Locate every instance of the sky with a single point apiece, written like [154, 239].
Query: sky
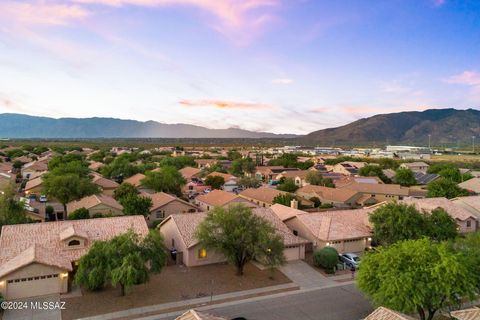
[283, 66]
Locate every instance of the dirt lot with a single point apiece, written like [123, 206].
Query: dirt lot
[173, 284]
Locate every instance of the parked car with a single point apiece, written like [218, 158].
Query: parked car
[350, 259]
[30, 208]
[43, 198]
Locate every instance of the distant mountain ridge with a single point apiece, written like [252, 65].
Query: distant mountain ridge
[445, 126]
[24, 126]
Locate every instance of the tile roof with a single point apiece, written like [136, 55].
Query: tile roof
[91, 201]
[338, 224]
[197, 315]
[429, 204]
[471, 185]
[136, 179]
[36, 166]
[471, 203]
[392, 189]
[334, 194]
[296, 173]
[16, 239]
[217, 198]
[263, 194]
[104, 182]
[33, 183]
[225, 176]
[383, 313]
[284, 213]
[160, 199]
[189, 172]
[466, 314]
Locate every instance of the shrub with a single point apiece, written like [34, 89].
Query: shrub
[327, 258]
[78, 214]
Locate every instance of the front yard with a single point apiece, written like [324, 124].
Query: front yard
[173, 284]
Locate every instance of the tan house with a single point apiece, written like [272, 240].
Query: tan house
[347, 168]
[415, 166]
[220, 198]
[297, 175]
[340, 198]
[344, 230]
[37, 258]
[165, 204]
[107, 186]
[381, 192]
[135, 180]
[471, 204]
[34, 186]
[231, 181]
[97, 204]
[34, 167]
[267, 173]
[205, 163]
[94, 165]
[262, 196]
[178, 231]
[471, 185]
[466, 221]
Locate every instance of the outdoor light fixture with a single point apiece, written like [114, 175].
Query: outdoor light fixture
[64, 275]
[369, 239]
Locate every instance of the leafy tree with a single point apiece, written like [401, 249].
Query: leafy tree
[66, 188]
[14, 153]
[124, 190]
[233, 155]
[178, 162]
[78, 214]
[272, 252]
[17, 164]
[168, 180]
[125, 259]
[284, 199]
[134, 204]
[469, 247]
[239, 235]
[404, 177]
[396, 222]
[416, 276]
[11, 210]
[288, 185]
[316, 202]
[316, 178]
[213, 168]
[242, 166]
[327, 258]
[445, 188]
[121, 166]
[216, 182]
[290, 160]
[452, 174]
[62, 160]
[373, 171]
[249, 182]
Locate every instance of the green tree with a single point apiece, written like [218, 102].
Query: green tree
[288, 185]
[441, 226]
[168, 180]
[249, 182]
[233, 155]
[284, 199]
[445, 188]
[17, 164]
[216, 182]
[416, 276]
[66, 188]
[11, 210]
[239, 235]
[78, 214]
[272, 252]
[120, 167]
[242, 166]
[124, 260]
[327, 258]
[178, 162]
[124, 190]
[469, 247]
[316, 178]
[134, 204]
[373, 171]
[404, 177]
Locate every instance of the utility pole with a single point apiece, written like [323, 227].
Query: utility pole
[429, 138]
[473, 144]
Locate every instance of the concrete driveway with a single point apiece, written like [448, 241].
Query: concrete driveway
[34, 309]
[303, 275]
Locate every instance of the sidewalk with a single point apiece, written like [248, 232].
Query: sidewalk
[172, 306]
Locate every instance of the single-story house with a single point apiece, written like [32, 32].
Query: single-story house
[33, 167]
[178, 231]
[107, 186]
[164, 204]
[471, 204]
[231, 181]
[419, 166]
[190, 173]
[38, 258]
[340, 198]
[466, 221]
[381, 192]
[267, 173]
[347, 168]
[95, 165]
[205, 163]
[220, 198]
[135, 180]
[262, 196]
[344, 230]
[297, 175]
[34, 186]
[471, 185]
[97, 204]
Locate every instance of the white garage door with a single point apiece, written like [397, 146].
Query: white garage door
[32, 287]
[292, 253]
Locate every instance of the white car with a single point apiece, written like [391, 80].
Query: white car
[350, 259]
[43, 198]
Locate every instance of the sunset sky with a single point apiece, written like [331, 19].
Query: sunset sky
[290, 66]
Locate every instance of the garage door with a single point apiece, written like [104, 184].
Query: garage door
[32, 287]
[292, 253]
[355, 246]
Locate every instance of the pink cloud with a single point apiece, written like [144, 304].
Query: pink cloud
[41, 13]
[223, 104]
[470, 78]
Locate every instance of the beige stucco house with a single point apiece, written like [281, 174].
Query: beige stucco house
[38, 258]
[262, 196]
[220, 198]
[340, 198]
[97, 204]
[178, 231]
[381, 192]
[164, 204]
[106, 186]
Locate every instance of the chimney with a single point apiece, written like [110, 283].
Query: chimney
[294, 204]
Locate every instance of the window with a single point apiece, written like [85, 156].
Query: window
[173, 243]
[160, 214]
[295, 232]
[469, 223]
[72, 243]
[202, 253]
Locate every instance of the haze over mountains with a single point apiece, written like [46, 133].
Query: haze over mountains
[445, 126]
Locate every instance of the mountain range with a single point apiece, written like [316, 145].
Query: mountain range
[441, 126]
